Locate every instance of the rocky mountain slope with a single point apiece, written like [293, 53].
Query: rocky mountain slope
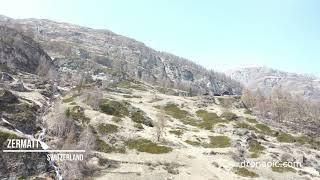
[266, 79]
[114, 104]
[64, 41]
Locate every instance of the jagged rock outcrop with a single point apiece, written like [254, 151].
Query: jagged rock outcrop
[20, 52]
[22, 165]
[266, 79]
[6, 97]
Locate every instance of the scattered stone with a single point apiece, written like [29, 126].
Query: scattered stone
[287, 158]
[5, 77]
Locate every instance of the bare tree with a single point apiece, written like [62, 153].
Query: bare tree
[93, 98]
[57, 122]
[283, 107]
[160, 125]
[248, 98]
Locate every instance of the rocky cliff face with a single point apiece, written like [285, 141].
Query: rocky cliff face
[19, 52]
[25, 73]
[266, 79]
[62, 40]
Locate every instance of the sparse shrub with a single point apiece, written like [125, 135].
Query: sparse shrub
[174, 111]
[138, 126]
[281, 168]
[177, 132]
[131, 96]
[116, 119]
[114, 108]
[107, 128]
[264, 129]
[285, 137]
[131, 85]
[208, 119]
[138, 117]
[144, 145]
[193, 143]
[171, 168]
[245, 126]
[250, 120]
[244, 172]
[303, 139]
[190, 121]
[4, 136]
[229, 116]
[102, 146]
[218, 142]
[255, 148]
[68, 113]
[77, 113]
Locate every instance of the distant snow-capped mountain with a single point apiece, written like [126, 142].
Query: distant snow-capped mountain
[266, 79]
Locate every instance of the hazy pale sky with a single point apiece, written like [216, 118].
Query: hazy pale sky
[282, 34]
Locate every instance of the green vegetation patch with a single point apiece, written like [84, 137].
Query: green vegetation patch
[138, 126]
[116, 119]
[77, 113]
[114, 108]
[282, 168]
[107, 128]
[130, 85]
[245, 126]
[138, 117]
[145, 145]
[265, 129]
[174, 111]
[304, 139]
[285, 137]
[190, 121]
[131, 96]
[218, 142]
[193, 143]
[4, 136]
[255, 148]
[208, 119]
[178, 132]
[244, 172]
[102, 146]
[251, 120]
[229, 116]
